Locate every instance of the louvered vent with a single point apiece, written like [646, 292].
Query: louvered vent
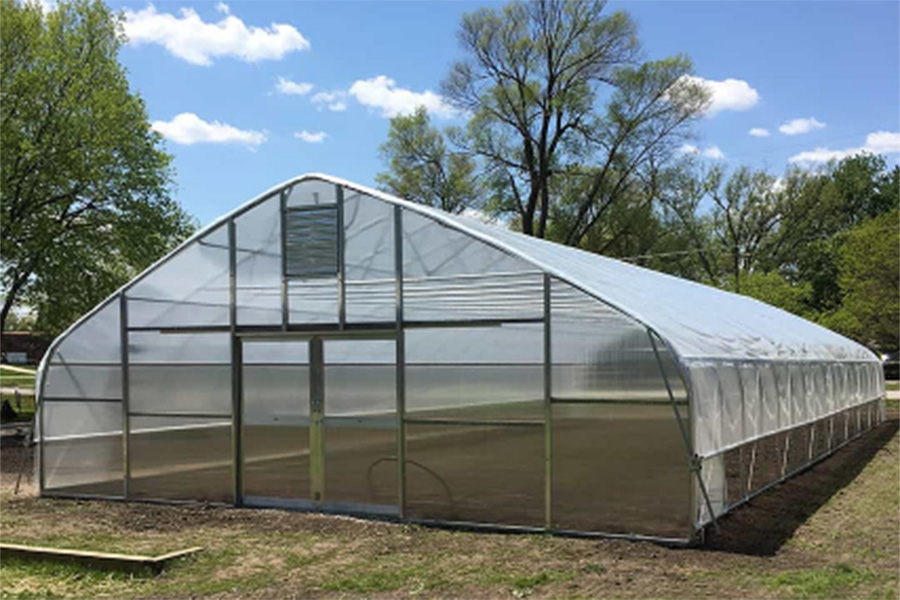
[311, 243]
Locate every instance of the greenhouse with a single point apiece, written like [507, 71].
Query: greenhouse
[329, 347]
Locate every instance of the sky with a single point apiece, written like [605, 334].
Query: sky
[249, 94]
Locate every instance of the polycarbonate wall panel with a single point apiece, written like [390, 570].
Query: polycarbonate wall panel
[258, 253]
[190, 289]
[478, 473]
[83, 381]
[174, 458]
[369, 261]
[203, 389]
[152, 347]
[448, 275]
[481, 373]
[313, 301]
[620, 468]
[312, 192]
[94, 340]
[82, 447]
[598, 353]
[619, 458]
[180, 373]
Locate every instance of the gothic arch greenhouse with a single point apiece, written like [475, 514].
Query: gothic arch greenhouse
[330, 347]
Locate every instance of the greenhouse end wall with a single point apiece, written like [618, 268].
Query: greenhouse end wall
[326, 347]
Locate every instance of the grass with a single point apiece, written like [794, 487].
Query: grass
[847, 549]
[11, 377]
[833, 581]
[892, 385]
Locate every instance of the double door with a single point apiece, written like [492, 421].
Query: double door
[320, 424]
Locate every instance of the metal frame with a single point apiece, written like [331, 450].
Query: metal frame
[316, 420]
[237, 368]
[400, 360]
[694, 465]
[548, 405]
[126, 393]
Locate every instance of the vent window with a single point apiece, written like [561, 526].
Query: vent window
[311, 242]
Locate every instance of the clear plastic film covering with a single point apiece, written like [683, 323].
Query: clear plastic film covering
[756, 422]
[619, 459]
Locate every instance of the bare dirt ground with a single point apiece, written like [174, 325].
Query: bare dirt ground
[831, 532]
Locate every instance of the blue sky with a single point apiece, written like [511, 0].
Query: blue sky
[821, 78]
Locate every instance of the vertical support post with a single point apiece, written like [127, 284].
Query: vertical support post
[693, 460]
[317, 411]
[285, 306]
[548, 407]
[237, 365]
[41, 424]
[742, 477]
[126, 417]
[400, 360]
[787, 449]
[341, 280]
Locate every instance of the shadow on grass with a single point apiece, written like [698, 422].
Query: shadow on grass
[761, 526]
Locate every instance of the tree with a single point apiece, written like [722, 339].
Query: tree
[870, 281]
[532, 82]
[421, 169]
[84, 183]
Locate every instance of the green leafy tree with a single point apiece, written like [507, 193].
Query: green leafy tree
[422, 169]
[870, 281]
[85, 182]
[564, 118]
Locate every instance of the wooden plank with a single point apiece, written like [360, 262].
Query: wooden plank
[101, 560]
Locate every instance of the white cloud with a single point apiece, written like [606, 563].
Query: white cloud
[712, 152]
[331, 100]
[381, 92]
[223, 8]
[312, 138]
[728, 94]
[759, 132]
[799, 126]
[190, 38]
[188, 128]
[883, 142]
[879, 142]
[294, 88]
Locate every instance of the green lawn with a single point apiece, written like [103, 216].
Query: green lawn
[892, 385]
[12, 377]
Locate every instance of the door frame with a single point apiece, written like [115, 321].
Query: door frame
[317, 500]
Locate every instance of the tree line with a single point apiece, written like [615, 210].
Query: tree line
[571, 136]
[568, 133]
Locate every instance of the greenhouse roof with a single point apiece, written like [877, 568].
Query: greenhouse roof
[698, 321]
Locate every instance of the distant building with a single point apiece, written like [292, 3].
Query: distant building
[22, 347]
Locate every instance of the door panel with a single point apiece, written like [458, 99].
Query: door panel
[360, 425]
[276, 419]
